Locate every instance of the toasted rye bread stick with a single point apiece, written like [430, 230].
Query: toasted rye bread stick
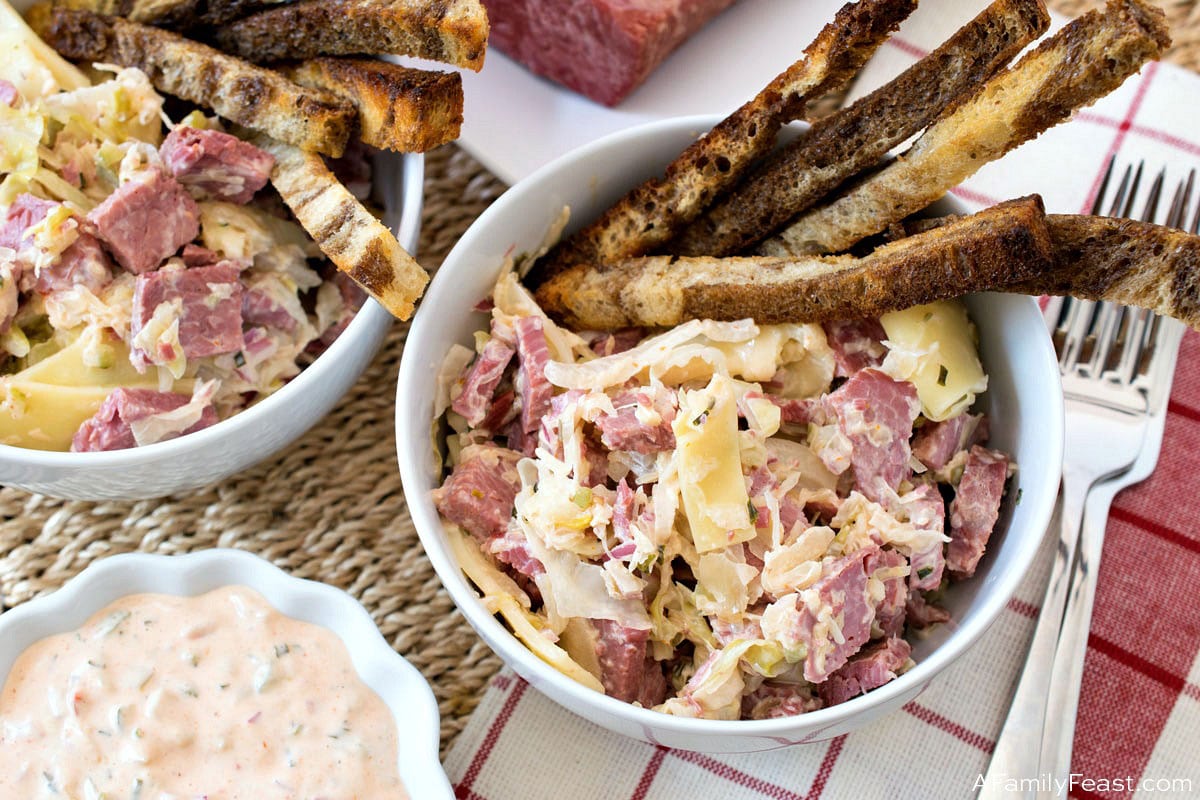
[174, 14]
[399, 108]
[353, 239]
[655, 211]
[850, 140]
[450, 31]
[1122, 261]
[1088, 58]
[258, 98]
[993, 248]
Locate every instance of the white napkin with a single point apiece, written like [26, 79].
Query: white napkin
[518, 744]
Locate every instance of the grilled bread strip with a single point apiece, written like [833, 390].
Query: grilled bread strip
[258, 98]
[1122, 261]
[655, 211]
[451, 31]
[399, 108]
[1088, 58]
[992, 248]
[353, 239]
[176, 14]
[844, 143]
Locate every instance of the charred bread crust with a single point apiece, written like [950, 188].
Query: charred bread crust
[399, 108]
[311, 119]
[1088, 58]
[992, 248]
[1122, 261]
[451, 31]
[353, 239]
[848, 141]
[654, 212]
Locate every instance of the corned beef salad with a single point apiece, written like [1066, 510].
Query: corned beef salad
[147, 287]
[723, 520]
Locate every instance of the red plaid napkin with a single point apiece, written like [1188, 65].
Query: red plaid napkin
[1138, 732]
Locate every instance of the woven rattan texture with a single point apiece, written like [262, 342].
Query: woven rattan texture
[331, 507]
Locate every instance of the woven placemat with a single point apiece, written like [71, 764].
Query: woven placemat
[331, 506]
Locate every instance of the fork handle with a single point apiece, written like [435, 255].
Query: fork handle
[1066, 675]
[1016, 754]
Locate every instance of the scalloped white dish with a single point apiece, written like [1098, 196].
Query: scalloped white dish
[398, 683]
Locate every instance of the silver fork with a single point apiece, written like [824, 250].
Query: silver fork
[1106, 353]
[1155, 383]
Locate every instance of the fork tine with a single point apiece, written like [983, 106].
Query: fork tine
[1186, 199]
[1177, 215]
[1126, 356]
[1075, 317]
[1103, 340]
[1118, 200]
[1127, 211]
[1156, 190]
[1158, 344]
[1195, 229]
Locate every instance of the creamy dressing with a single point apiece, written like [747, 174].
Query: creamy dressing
[175, 698]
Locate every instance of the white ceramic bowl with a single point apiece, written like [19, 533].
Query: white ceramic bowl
[380, 667]
[1024, 401]
[215, 453]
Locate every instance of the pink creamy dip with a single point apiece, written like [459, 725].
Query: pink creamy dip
[216, 696]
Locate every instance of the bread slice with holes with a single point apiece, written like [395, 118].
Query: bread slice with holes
[995, 247]
[654, 212]
[1085, 60]
[354, 240]
[262, 99]
[451, 31]
[856, 137]
[399, 108]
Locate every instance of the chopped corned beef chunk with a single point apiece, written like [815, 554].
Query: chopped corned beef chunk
[889, 613]
[83, 262]
[796, 410]
[209, 300]
[532, 387]
[618, 341]
[626, 430]
[26, 211]
[772, 700]
[146, 220]
[621, 653]
[868, 670]
[919, 613]
[196, 256]
[481, 380]
[260, 308]
[216, 165]
[109, 428]
[478, 496]
[975, 508]
[836, 614]
[936, 443]
[856, 344]
[512, 548]
[876, 414]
